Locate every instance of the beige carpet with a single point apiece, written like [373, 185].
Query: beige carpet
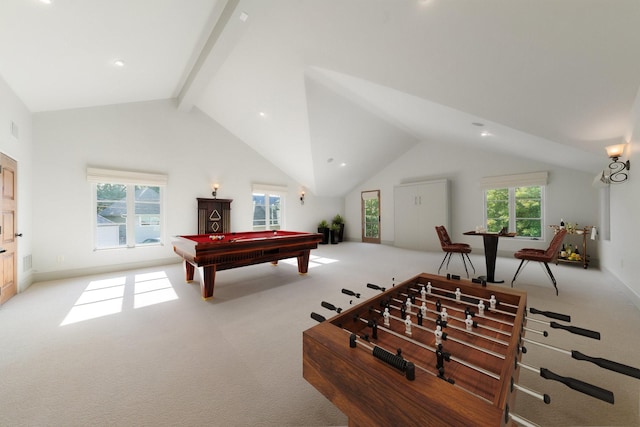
[141, 348]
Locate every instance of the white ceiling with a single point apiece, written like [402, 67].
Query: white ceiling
[356, 81]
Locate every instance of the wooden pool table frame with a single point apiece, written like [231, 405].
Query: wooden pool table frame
[239, 250]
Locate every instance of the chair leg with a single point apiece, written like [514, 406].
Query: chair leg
[464, 263]
[443, 260]
[470, 263]
[553, 279]
[518, 271]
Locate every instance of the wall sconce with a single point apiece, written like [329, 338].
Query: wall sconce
[618, 171]
[215, 187]
[302, 198]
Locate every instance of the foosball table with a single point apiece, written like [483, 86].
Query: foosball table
[435, 351]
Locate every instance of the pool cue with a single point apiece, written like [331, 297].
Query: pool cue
[449, 337]
[367, 345]
[419, 344]
[603, 363]
[581, 386]
[573, 329]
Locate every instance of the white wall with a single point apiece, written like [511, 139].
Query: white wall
[13, 110]
[569, 193]
[192, 149]
[621, 253]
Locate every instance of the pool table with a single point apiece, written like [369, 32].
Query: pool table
[221, 251]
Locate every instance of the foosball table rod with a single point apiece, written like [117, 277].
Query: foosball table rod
[603, 363]
[449, 337]
[522, 421]
[489, 328]
[425, 346]
[367, 345]
[577, 385]
[573, 329]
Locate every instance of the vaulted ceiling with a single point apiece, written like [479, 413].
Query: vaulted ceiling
[330, 91]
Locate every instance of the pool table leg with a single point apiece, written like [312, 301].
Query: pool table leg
[207, 279]
[303, 262]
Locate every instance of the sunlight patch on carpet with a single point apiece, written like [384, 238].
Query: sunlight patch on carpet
[153, 288]
[100, 298]
[106, 297]
[314, 261]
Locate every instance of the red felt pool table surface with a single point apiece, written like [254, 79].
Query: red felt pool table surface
[212, 252]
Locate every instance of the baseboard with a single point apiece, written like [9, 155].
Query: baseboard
[633, 297]
[65, 274]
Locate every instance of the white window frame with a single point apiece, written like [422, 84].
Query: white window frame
[270, 190]
[130, 179]
[511, 182]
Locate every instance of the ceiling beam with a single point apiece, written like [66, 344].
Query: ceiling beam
[213, 53]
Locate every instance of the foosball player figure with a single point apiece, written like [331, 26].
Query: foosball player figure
[403, 310]
[386, 316]
[419, 315]
[438, 334]
[423, 293]
[444, 315]
[469, 322]
[423, 309]
[429, 288]
[493, 302]
[374, 330]
[458, 294]
[408, 305]
[441, 356]
[407, 325]
[468, 312]
[481, 308]
[438, 306]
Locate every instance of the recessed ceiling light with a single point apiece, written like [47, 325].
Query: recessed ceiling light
[262, 114]
[244, 16]
[343, 164]
[46, 1]
[118, 63]
[485, 133]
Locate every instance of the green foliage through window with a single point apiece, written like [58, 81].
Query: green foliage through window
[518, 209]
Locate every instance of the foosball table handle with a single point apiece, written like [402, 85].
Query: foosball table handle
[581, 386]
[607, 364]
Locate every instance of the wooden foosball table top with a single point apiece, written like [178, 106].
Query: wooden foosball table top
[475, 385]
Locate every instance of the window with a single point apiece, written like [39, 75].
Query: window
[127, 207]
[519, 208]
[268, 207]
[516, 208]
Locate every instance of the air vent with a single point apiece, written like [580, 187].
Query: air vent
[14, 130]
[27, 263]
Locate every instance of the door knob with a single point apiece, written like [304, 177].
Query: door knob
[18, 234]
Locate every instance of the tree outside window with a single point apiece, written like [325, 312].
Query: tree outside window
[516, 208]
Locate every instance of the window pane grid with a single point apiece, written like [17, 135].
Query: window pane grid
[115, 228]
[517, 208]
